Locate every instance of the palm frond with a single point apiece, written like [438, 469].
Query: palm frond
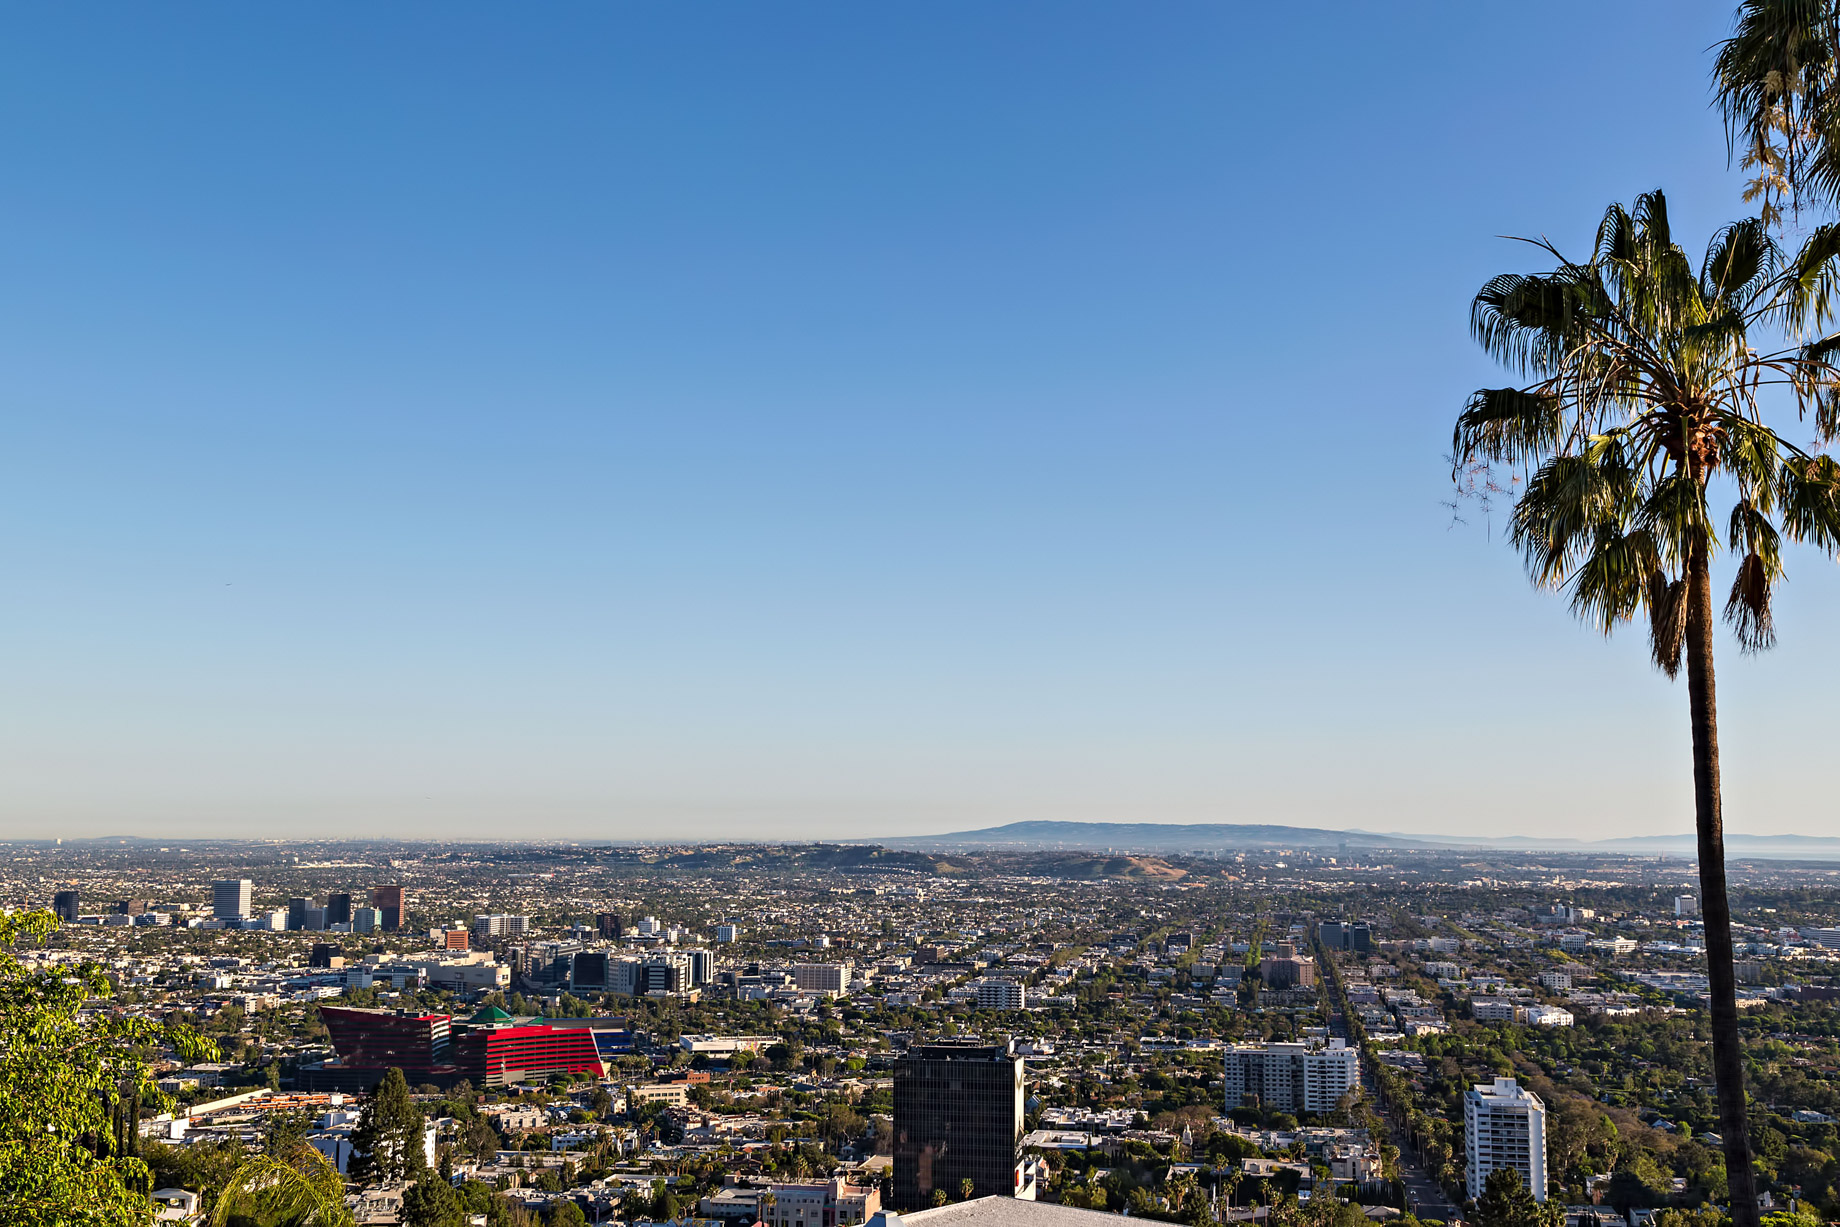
[304, 1189]
[1508, 425]
[1675, 513]
[1530, 322]
[1752, 453]
[1609, 584]
[1808, 499]
[1812, 278]
[1748, 607]
[1667, 620]
[1739, 258]
[1568, 503]
[1772, 80]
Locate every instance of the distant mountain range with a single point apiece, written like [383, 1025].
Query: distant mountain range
[1212, 837]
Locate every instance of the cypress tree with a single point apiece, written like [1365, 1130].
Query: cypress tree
[387, 1143]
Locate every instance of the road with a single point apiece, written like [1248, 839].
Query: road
[1424, 1196]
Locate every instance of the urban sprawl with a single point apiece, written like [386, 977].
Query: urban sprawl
[826, 1035]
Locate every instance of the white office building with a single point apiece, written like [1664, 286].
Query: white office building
[1294, 1077]
[1504, 1125]
[500, 926]
[728, 933]
[231, 900]
[831, 978]
[1686, 905]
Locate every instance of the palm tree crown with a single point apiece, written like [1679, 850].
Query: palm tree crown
[1647, 397]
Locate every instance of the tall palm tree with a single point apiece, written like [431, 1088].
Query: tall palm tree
[1645, 404]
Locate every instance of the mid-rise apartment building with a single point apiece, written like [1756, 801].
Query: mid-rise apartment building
[498, 925]
[1000, 995]
[1285, 968]
[1295, 1077]
[830, 1203]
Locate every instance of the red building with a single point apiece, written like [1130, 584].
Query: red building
[497, 1049]
[374, 1040]
[489, 1049]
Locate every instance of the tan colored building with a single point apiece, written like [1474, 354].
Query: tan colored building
[676, 1094]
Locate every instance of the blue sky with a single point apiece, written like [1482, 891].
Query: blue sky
[701, 421]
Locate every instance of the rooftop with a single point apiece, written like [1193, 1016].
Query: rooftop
[1005, 1212]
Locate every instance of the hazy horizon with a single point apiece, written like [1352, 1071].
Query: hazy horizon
[818, 423]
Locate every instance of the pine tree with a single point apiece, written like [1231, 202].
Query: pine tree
[432, 1202]
[1505, 1202]
[387, 1144]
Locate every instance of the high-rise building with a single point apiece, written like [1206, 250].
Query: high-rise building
[231, 900]
[831, 978]
[326, 954]
[297, 913]
[1291, 1077]
[65, 904]
[366, 920]
[957, 1116]
[1504, 1125]
[130, 907]
[1686, 905]
[453, 939]
[728, 933]
[338, 909]
[389, 901]
[1339, 936]
[610, 926]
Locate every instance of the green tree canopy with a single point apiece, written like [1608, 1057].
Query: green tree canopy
[67, 1086]
[1507, 1202]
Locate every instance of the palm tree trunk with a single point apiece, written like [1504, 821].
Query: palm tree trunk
[1715, 907]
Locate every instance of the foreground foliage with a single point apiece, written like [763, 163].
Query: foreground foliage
[69, 1086]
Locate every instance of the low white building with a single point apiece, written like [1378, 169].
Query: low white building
[725, 1045]
[1546, 1016]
